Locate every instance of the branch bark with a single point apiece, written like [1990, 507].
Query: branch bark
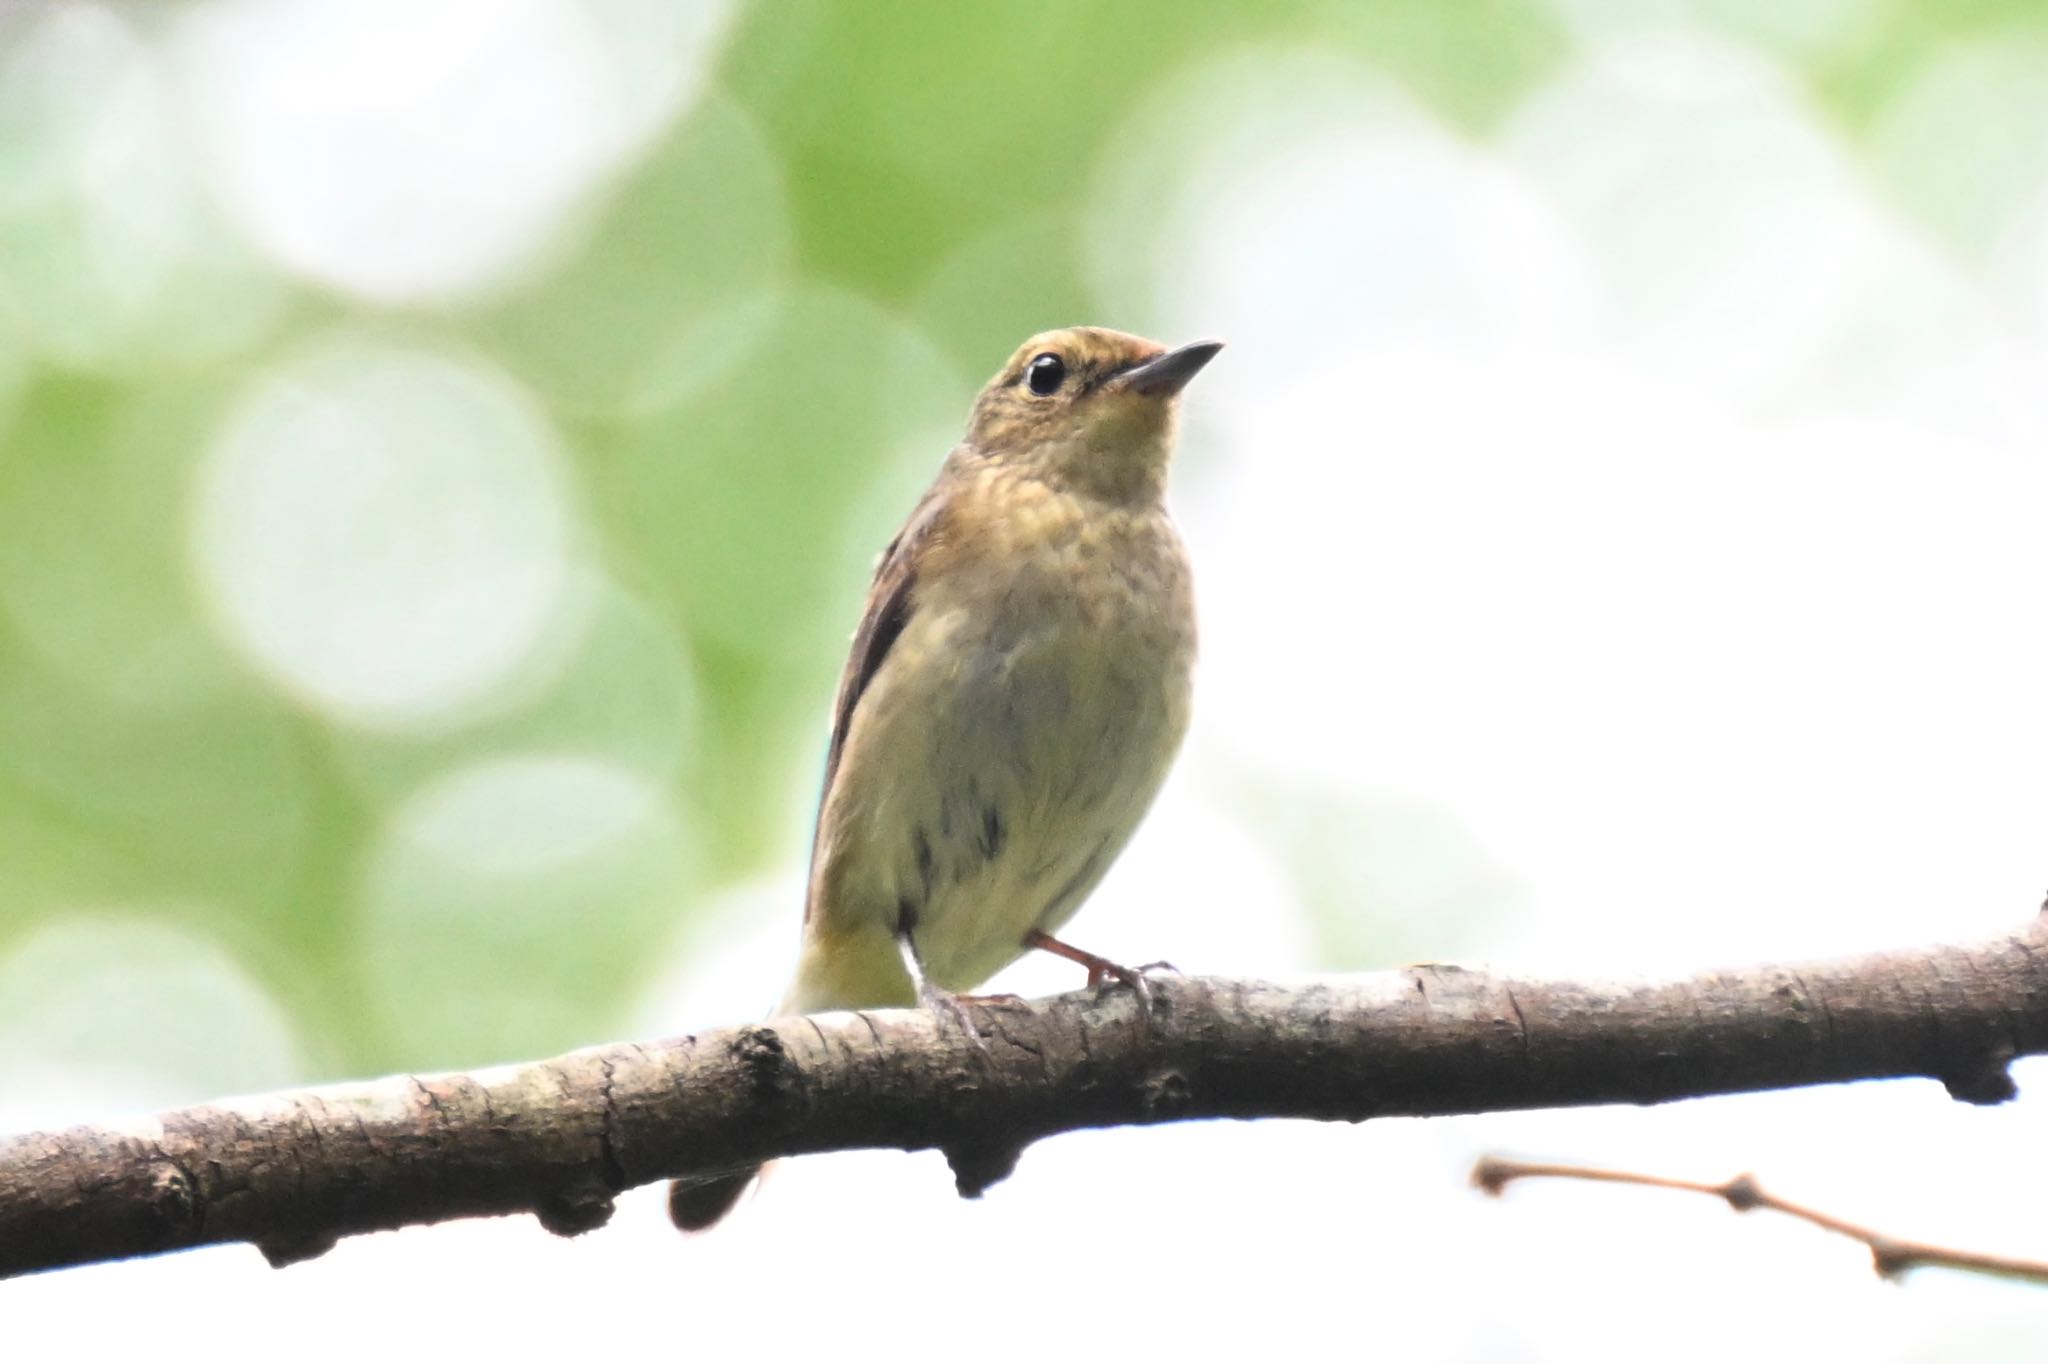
[294, 1172]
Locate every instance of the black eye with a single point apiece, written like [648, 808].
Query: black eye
[1045, 374]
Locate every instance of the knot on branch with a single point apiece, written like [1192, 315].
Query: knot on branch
[1166, 1095]
[1491, 1175]
[574, 1209]
[174, 1200]
[979, 1163]
[760, 1052]
[1983, 1079]
[295, 1246]
[1891, 1260]
[1993, 1085]
[1743, 1193]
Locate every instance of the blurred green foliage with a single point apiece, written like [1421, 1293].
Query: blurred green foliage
[753, 345]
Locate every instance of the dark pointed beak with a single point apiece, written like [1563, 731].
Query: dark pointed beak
[1168, 374]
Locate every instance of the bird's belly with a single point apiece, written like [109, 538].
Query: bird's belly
[1040, 759]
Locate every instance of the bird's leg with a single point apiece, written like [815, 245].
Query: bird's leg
[1099, 968]
[943, 1003]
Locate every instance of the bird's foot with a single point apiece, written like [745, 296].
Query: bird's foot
[942, 1003]
[1101, 970]
[954, 1009]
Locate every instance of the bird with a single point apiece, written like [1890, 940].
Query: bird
[1016, 691]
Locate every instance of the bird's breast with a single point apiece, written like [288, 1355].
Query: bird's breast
[1014, 738]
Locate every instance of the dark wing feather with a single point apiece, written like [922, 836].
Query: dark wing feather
[889, 607]
[890, 603]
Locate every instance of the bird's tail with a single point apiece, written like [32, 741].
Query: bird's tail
[837, 976]
[698, 1204]
[701, 1202]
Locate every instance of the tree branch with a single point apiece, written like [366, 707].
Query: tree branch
[294, 1172]
[1891, 1256]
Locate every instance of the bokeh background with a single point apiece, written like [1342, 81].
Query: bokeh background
[441, 451]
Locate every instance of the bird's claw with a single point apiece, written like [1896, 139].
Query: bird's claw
[1101, 970]
[1131, 978]
[952, 1008]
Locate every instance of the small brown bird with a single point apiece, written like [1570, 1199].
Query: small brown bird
[1017, 689]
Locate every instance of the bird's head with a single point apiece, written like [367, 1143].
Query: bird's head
[1088, 409]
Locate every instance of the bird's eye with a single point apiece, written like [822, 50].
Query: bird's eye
[1045, 374]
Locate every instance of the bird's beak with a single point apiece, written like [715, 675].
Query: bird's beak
[1168, 374]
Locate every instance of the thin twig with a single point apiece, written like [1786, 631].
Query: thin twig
[1890, 1256]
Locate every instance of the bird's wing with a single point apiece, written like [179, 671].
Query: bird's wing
[888, 611]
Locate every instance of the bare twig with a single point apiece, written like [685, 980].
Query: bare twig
[1890, 1256]
[293, 1172]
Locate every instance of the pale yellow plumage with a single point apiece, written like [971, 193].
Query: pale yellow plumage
[1015, 693]
[1029, 709]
